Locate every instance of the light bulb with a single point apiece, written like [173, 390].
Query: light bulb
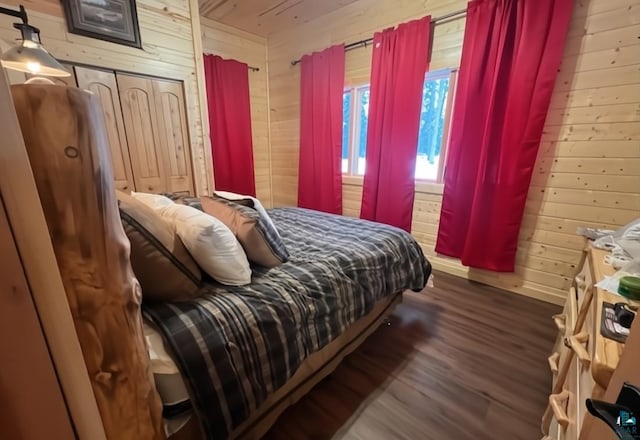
[33, 67]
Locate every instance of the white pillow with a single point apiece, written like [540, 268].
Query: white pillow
[256, 204]
[153, 201]
[211, 243]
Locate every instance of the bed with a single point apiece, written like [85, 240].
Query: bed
[244, 354]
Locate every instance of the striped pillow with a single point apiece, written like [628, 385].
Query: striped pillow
[261, 243]
[160, 261]
[253, 228]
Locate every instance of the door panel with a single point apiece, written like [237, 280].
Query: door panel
[141, 126]
[104, 85]
[174, 134]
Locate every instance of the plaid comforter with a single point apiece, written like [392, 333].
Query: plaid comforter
[237, 345]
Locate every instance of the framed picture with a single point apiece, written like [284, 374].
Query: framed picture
[109, 20]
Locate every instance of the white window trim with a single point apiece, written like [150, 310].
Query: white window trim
[349, 90]
[452, 74]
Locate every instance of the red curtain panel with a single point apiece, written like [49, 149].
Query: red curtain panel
[319, 173]
[511, 53]
[230, 124]
[400, 61]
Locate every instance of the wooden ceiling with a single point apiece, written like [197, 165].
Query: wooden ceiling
[264, 17]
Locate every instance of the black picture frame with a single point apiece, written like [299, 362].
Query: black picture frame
[108, 20]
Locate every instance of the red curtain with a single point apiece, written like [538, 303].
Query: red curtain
[319, 173]
[230, 124]
[400, 61]
[510, 58]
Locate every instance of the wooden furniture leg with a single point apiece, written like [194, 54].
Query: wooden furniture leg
[66, 141]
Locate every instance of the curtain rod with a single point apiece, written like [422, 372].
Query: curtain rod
[253, 69]
[363, 43]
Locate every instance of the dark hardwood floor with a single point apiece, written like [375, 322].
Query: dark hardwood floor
[459, 361]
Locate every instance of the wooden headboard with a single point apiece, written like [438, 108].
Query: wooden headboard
[65, 138]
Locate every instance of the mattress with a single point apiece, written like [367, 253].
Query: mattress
[177, 407]
[236, 346]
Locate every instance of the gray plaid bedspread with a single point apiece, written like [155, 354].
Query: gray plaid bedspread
[237, 345]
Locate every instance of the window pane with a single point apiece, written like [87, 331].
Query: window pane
[434, 100]
[363, 119]
[346, 129]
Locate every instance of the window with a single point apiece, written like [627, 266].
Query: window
[434, 126]
[346, 130]
[354, 129]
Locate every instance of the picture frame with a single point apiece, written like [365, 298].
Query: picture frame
[108, 20]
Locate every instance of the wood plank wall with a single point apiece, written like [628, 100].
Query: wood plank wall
[166, 27]
[588, 171]
[232, 43]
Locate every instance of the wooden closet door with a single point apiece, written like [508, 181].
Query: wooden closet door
[104, 85]
[33, 405]
[143, 137]
[174, 135]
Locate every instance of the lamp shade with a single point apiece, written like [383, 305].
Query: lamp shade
[31, 57]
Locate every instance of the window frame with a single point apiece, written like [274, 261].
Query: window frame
[355, 126]
[348, 90]
[446, 131]
[354, 129]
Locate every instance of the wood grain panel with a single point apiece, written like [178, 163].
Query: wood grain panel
[599, 166]
[439, 360]
[587, 182]
[601, 114]
[568, 226]
[588, 169]
[103, 84]
[174, 135]
[575, 80]
[141, 125]
[27, 376]
[603, 59]
[593, 42]
[578, 212]
[600, 95]
[593, 131]
[604, 149]
[593, 17]
[264, 17]
[168, 50]
[620, 200]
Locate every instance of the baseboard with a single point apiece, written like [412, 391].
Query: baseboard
[521, 287]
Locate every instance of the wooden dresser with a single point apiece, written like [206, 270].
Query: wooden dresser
[583, 361]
